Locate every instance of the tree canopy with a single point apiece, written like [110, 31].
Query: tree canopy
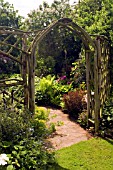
[8, 15]
[95, 16]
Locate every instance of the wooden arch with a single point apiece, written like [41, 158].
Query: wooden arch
[96, 48]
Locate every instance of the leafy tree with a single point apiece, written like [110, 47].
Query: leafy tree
[8, 16]
[96, 17]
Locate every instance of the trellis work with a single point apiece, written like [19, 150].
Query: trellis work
[97, 59]
[98, 82]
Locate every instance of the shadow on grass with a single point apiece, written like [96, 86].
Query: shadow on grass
[57, 167]
[109, 140]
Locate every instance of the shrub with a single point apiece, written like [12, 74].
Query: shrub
[44, 90]
[82, 118]
[74, 102]
[41, 113]
[30, 154]
[22, 138]
[14, 125]
[49, 91]
[106, 121]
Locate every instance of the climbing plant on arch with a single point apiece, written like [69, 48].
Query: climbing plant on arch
[97, 61]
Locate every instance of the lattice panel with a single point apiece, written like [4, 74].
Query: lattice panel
[12, 96]
[104, 82]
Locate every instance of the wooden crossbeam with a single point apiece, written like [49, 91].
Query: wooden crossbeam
[10, 96]
[7, 38]
[4, 80]
[2, 53]
[12, 84]
[13, 46]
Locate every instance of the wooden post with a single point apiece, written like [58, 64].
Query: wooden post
[99, 77]
[96, 89]
[88, 84]
[24, 71]
[31, 82]
[4, 100]
[108, 71]
[12, 96]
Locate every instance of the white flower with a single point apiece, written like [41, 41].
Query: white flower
[92, 93]
[3, 159]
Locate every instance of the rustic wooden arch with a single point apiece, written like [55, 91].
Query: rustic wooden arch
[96, 47]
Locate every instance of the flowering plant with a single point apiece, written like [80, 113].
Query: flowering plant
[62, 78]
[3, 159]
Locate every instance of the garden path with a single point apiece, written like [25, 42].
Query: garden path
[67, 131]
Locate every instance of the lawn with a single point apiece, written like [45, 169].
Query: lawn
[94, 154]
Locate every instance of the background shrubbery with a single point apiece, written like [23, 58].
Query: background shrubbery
[106, 120]
[50, 91]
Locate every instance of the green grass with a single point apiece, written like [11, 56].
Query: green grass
[94, 154]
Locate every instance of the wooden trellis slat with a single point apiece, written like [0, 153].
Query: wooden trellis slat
[2, 53]
[11, 84]
[4, 80]
[11, 97]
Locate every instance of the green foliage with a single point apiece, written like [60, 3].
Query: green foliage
[45, 14]
[83, 118]
[95, 16]
[14, 126]
[93, 154]
[39, 120]
[49, 91]
[106, 121]
[22, 139]
[78, 72]
[30, 154]
[8, 16]
[44, 90]
[74, 102]
[45, 66]
[41, 113]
